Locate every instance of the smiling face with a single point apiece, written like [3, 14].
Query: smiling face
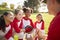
[19, 15]
[39, 17]
[28, 13]
[9, 17]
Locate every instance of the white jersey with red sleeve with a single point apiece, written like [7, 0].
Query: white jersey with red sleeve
[27, 22]
[17, 26]
[40, 26]
[8, 33]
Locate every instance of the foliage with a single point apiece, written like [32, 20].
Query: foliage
[11, 6]
[34, 4]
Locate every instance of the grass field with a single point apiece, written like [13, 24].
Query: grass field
[47, 19]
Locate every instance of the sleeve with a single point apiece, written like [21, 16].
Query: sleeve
[16, 28]
[31, 23]
[42, 25]
[54, 30]
[35, 25]
[9, 34]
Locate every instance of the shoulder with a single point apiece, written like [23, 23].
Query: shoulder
[30, 19]
[15, 21]
[35, 22]
[55, 24]
[57, 19]
[42, 21]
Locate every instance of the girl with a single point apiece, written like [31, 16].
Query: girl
[5, 26]
[39, 24]
[17, 24]
[26, 19]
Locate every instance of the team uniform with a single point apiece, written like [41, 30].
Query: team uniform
[17, 26]
[8, 33]
[27, 22]
[40, 26]
[54, 28]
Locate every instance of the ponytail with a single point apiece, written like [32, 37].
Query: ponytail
[2, 22]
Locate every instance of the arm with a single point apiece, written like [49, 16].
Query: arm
[42, 25]
[31, 23]
[16, 28]
[9, 34]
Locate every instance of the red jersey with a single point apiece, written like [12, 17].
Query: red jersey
[54, 28]
[17, 25]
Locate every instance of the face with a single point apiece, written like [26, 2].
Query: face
[51, 6]
[39, 18]
[9, 17]
[19, 15]
[28, 13]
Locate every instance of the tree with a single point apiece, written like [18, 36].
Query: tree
[34, 4]
[45, 1]
[4, 5]
[18, 7]
[11, 6]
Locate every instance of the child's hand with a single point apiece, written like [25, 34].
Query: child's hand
[4, 39]
[29, 38]
[22, 30]
[37, 30]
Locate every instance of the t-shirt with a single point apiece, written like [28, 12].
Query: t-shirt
[54, 28]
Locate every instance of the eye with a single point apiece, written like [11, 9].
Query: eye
[19, 14]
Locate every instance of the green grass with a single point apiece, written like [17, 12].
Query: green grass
[47, 19]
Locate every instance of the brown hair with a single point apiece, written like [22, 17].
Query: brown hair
[27, 9]
[16, 11]
[2, 21]
[39, 15]
[58, 1]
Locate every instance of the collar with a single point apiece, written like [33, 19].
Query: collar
[7, 25]
[16, 20]
[25, 18]
[38, 22]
